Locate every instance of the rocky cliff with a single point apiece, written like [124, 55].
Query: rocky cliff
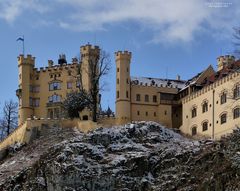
[136, 157]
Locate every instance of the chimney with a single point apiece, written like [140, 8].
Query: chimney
[62, 59]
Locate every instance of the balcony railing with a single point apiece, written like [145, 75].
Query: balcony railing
[54, 104]
[169, 102]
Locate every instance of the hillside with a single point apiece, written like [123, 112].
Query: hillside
[135, 157]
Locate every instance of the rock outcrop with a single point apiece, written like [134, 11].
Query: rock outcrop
[140, 156]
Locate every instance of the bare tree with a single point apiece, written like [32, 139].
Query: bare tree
[9, 120]
[236, 41]
[99, 67]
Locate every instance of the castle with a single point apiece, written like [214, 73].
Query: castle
[41, 91]
[206, 104]
[203, 105]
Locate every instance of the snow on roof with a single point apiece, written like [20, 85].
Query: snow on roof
[158, 82]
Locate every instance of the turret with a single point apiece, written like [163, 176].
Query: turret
[123, 106]
[89, 54]
[223, 61]
[25, 71]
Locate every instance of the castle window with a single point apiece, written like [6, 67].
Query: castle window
[51, 76]
[165, 112]
[30, 88]
[126, 94]
[127, 81]
[236, 113]
[194, 112]
[205, 126]
[223, 98]
[146, 113]
[69, 85]
[117, 94]
[205, 106]
[138, 112]
[236, 92]
[155, 114]
[54, 98]
[117, 69]
[223, 118]
[37, 78]
[118, 81]
[36, 89]
[127, 69]
[69, 72]
[194, 130]
[155, 98]
[146, 98]
[59, 75]
[138, 97]
[55, 86]
[36, 102]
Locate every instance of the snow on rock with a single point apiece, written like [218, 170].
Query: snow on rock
[139, 156]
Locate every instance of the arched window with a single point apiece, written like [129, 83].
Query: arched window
[236, 113]
[223, 98]
[205, 106]
[223, 118]
[236, 92]
[205, 126]
[155, 98]
[138, 97]
[194, 112]
[194, 130]
[54, 86]
[146, 98]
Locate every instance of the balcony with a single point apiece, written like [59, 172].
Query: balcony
[169, 102]
[54, 104]
[18, 92]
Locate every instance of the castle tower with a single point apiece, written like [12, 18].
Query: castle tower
[223, 61]
[123, 108]
[89, 54]
[25, 73]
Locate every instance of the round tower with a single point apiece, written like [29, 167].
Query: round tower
[89, 54]
[123, 94]
[25, 76]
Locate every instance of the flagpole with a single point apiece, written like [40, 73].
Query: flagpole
[23, 46]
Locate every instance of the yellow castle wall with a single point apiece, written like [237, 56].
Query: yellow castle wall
[212, 94]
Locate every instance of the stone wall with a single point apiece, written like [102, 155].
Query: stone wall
[29, 130]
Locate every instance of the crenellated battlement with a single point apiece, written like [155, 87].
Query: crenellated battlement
[86, 49]
[225, 60]
[29, 59]
[56, 67]
[123, 55]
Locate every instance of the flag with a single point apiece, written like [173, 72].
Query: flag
[20, 38]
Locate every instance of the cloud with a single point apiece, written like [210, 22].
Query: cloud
[167, 21]
[10, 10]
